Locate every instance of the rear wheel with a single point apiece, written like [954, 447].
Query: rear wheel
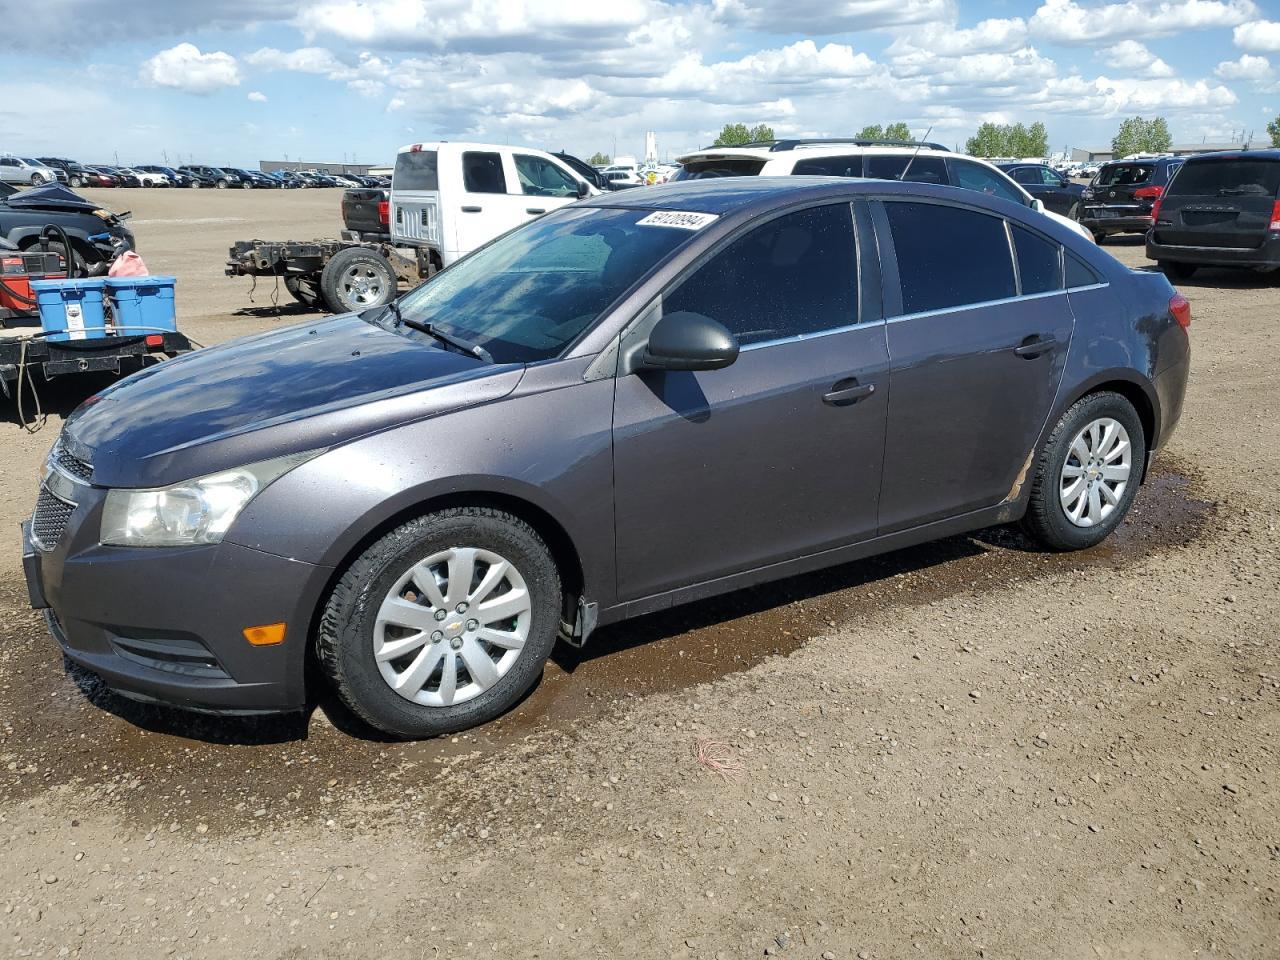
[1099, 237]
[442, 624]
[305, 292]
[1087, 474]
[356, 279]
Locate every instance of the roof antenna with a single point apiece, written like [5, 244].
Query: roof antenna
[919, 144]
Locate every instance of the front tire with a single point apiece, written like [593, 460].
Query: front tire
[1087, 474]
[222, 184]
[443, 624]
[37, 180]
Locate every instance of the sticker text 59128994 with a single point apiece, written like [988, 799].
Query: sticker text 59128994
[681, 219]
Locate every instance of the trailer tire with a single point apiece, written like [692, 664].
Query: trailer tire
[357, 278]
[304, 291]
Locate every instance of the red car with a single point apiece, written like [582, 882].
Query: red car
[100, 178]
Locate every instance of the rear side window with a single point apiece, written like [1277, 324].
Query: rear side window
[416, 171]
[919, 168]
[1079, 273]
[482, 172]
[1227, 178]
[949, 257]
[1125, 174]
[974, 176]
[1039, 261]
[794, 275]
[828, 167]
[1026, 175]
[722, 167]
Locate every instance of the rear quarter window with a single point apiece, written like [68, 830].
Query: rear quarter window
[1227, 178]
[828, 167]
[1039, 261]
[416, 171]
[916, 169]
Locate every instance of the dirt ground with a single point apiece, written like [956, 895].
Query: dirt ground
[967, 749]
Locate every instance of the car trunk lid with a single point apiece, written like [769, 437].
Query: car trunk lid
[1226, 201]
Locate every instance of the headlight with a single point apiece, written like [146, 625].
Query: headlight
[192, 512]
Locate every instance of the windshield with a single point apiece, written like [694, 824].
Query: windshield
[1227, 178]
[528, 295]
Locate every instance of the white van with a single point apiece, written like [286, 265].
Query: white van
[449, 198]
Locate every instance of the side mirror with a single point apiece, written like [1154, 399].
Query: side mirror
[584, 189]
[1037, 205]
[689, 341]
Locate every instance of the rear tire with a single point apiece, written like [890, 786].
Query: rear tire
[358, 626]
[1099, 237]
[305, 292]
[357, 279]
[1112, 459]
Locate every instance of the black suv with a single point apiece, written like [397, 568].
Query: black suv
[1046, 184]
[1120, 198]
[1223, 210]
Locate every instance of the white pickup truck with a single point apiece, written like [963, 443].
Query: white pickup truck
[449, 198]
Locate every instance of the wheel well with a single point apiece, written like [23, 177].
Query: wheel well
[1141, 403]
[547, 527]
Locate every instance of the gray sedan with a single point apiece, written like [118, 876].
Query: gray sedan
[632, 402]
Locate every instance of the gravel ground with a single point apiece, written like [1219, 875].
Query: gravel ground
[968, 749]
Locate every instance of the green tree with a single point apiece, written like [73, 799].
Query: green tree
[1037, 141]
[1137, 135]
[733, 135]
[761, 131]
[897, 131]
[599, 159]
[1009, 140]
[1273, 128]
[872, 132]
[991, 140]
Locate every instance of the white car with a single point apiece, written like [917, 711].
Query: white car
[923, 163]
[29, 173]
[148, 178]
[449, 198]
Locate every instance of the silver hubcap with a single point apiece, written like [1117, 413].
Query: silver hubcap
[452, 626]
[363, 285]
[1096, 473]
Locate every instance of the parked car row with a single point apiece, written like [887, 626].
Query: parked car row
[35, 172]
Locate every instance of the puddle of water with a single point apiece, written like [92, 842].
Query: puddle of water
[57, 734]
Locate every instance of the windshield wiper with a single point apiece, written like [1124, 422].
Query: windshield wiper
[466, 346]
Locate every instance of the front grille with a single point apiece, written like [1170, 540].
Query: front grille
[50, 519]
[72, 465]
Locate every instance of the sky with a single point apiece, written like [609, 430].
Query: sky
[232, 82]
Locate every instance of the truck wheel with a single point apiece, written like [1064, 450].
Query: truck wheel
[442, 624]
[357, 278]
[304, 291]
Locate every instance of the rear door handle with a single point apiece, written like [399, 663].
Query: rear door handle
[846, 392]
[535, 209]
[1034, 346]
[471, 209]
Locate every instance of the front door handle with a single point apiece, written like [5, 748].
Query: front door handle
[471, 209]
[845, 392]
[535, 209]
[1034, 346]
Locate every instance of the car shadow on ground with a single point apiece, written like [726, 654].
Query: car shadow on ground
[608, 641]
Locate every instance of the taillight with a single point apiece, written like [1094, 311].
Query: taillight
[155, 340]
[1275, 216]
[384, 212]
[1148, 193]
[1155, 209]
[1180, 307]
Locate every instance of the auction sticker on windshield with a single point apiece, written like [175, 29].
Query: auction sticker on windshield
[683, 219]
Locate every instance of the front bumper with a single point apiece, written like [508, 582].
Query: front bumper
[165, 624]
[1267, 255]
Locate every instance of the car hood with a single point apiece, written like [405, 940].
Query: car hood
[52, 196]
[302, 388]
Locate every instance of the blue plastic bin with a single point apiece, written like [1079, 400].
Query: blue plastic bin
[141, 305]
[70, 309]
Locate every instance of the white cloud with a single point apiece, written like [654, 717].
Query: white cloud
[185, 68]
[828, 16]
[257, 96]
[1254, 69]
[947, 39]
[366, 76]
[1134, 57]
[1066, 21]
[1258, 36]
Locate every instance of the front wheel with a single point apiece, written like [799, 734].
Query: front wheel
[443, 624]
[246, 185]
[1087, 474]
[36, 179]
[222, 184]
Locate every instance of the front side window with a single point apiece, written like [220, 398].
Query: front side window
[1027, 175]
[540, 177]
[949, 256]
[482, 172]
[915, 168]
[1050, 177]
[528, 295]
[974, 176]
[796, 274]
[828, 167]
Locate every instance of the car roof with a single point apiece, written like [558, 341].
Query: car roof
[1268, 154]
[807, 150]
